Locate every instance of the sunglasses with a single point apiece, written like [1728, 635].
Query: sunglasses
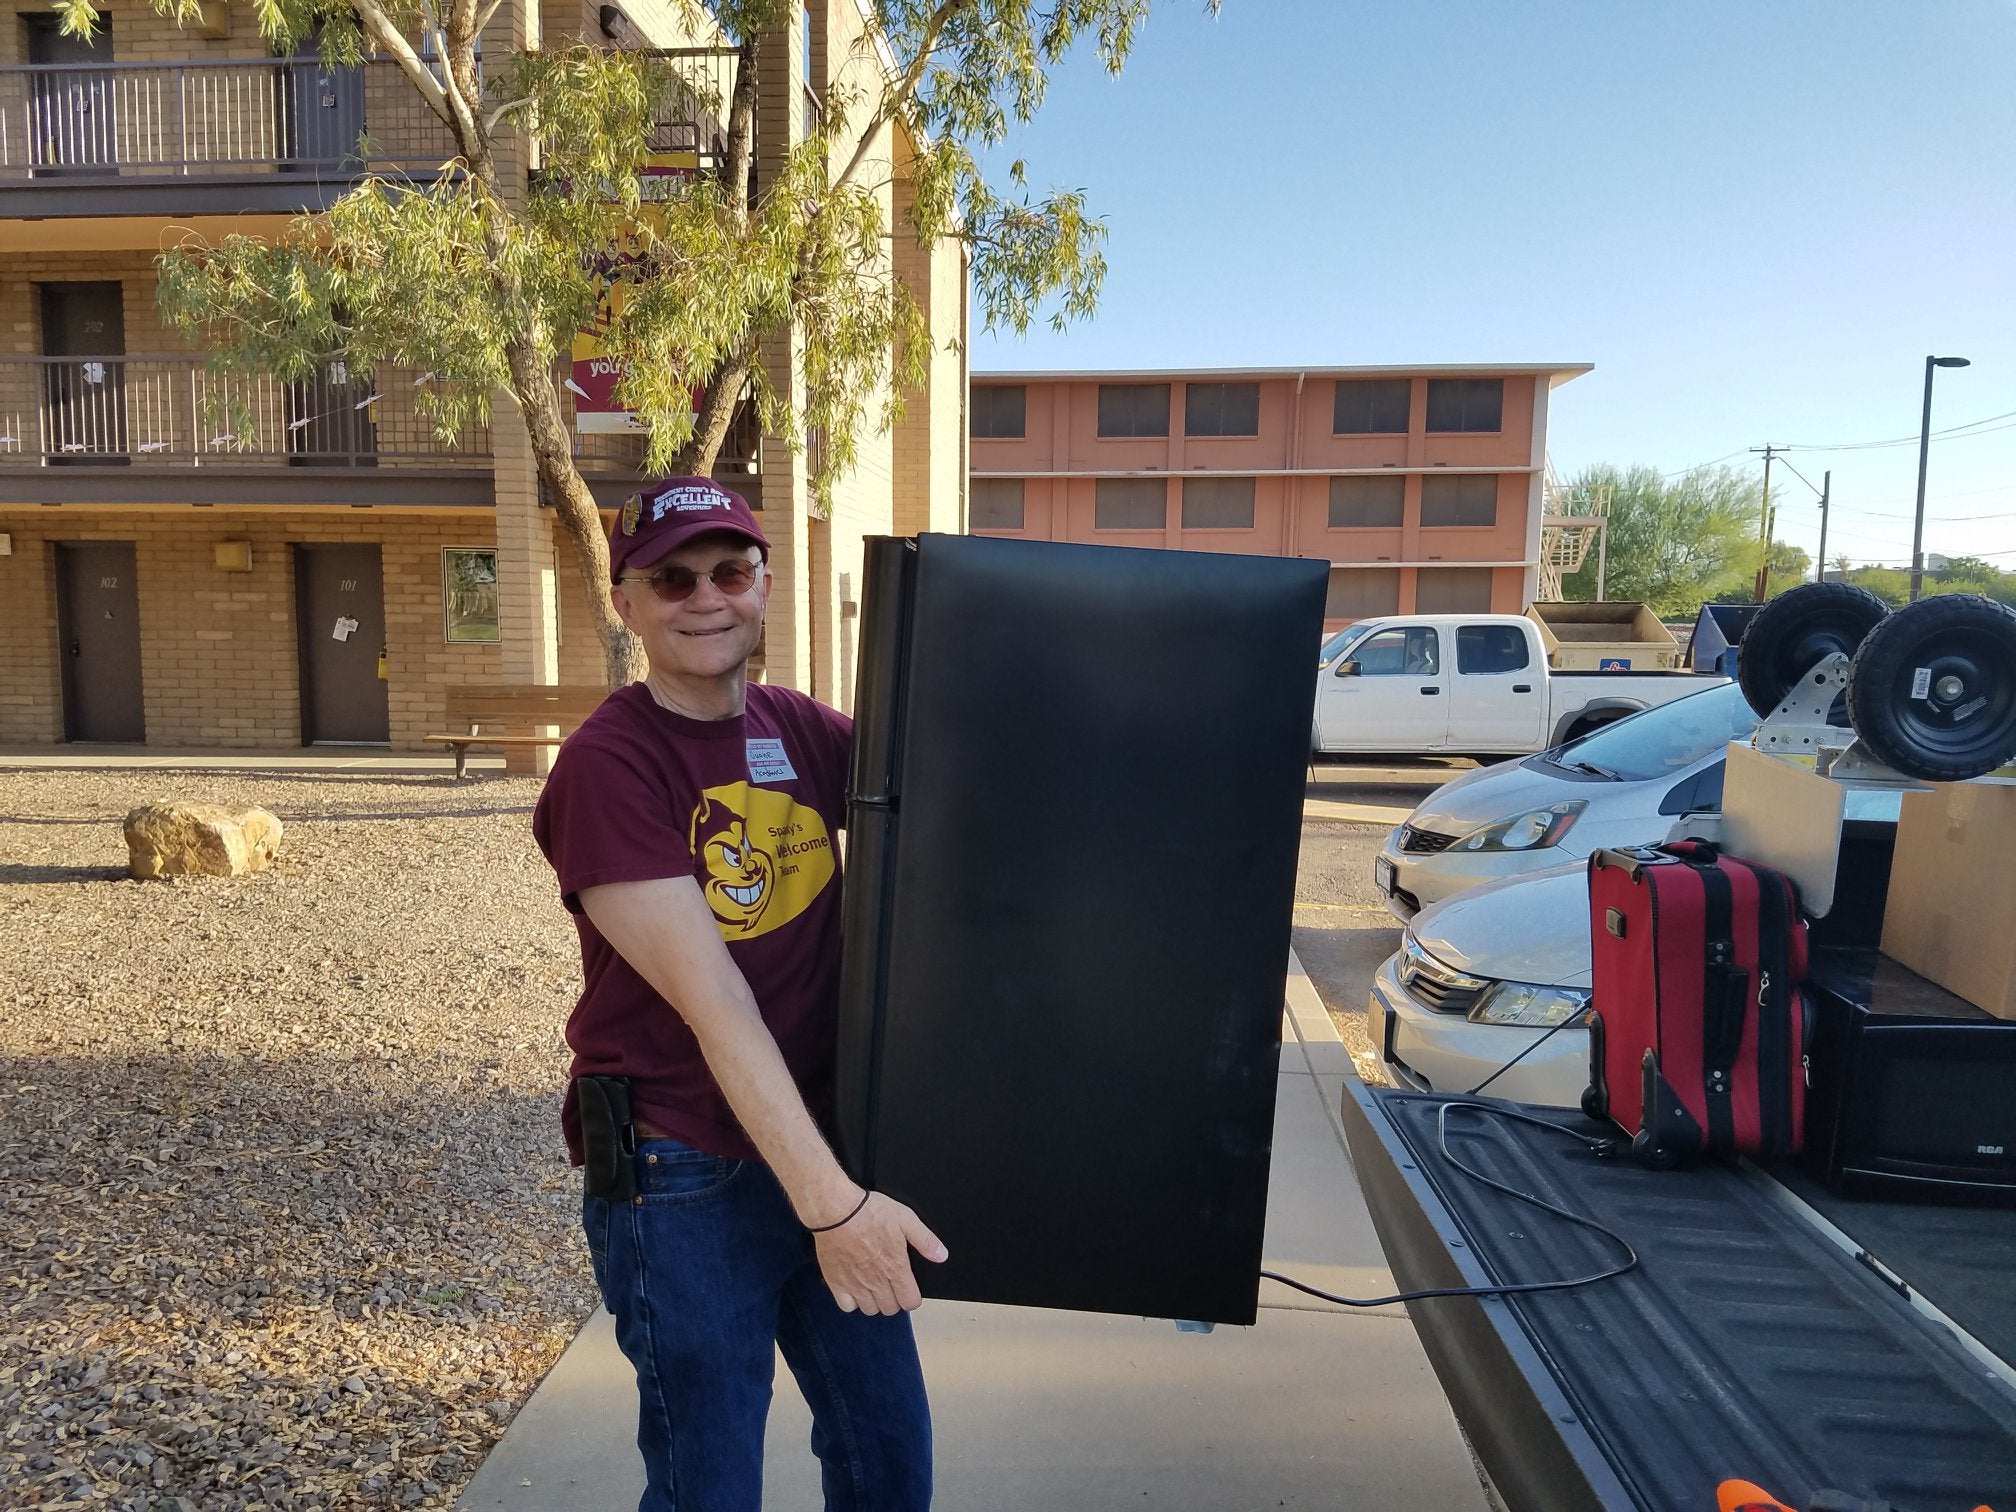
[675, 585]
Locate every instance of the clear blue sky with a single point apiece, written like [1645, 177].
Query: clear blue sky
[1755, 217]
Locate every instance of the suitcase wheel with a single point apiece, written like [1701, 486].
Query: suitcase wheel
[1594, 1103]
[1651, 1154]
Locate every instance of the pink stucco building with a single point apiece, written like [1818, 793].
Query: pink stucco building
[1420, 485]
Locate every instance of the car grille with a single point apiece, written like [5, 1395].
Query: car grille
[1420, 842]
[1434, 985]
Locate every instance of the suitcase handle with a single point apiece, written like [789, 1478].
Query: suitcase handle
[1726, 1003]
[1631, 866]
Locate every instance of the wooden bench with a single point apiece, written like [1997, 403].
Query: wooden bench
[509, 714]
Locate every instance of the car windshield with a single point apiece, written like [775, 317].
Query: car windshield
[1661, 741]
[1339, 643]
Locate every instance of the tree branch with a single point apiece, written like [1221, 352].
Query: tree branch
[490, 122]
[905, 88]
[717, 410]
[741, 131]
[387, 37]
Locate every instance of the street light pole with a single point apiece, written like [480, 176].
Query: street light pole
[1924, 449]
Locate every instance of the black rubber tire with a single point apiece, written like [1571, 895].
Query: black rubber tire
[1961, 648]
[1652, 1156]
[1594, 1104]
[1794, 631]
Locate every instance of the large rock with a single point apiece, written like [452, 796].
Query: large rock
[199, 840]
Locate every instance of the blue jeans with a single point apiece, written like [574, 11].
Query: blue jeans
[707, 1274]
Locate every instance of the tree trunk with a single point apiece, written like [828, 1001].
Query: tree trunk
[622, 652]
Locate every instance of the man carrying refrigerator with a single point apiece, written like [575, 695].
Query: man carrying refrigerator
[691, 823]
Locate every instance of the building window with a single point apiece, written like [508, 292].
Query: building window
[1459, 499]
[1133, 409]
[469, 594]
[1362, 592]
[1490, 649]
[1412, 652]
[1130, 504]
[996, 504]
[1356, 503]
[1466, 404]
[1452, 590]
[1000, 411]
[1221, 409]
[1217, 503]
[1371, 406]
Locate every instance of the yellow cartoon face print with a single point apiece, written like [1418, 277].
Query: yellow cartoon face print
[759, 857]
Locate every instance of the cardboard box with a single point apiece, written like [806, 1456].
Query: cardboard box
[1951, 914]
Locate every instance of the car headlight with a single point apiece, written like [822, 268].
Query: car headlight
[1532, 830]
[1530, 1005]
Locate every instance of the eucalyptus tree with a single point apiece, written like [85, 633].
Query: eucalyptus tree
[480, 278]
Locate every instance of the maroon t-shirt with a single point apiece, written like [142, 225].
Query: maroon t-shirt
[749, 807]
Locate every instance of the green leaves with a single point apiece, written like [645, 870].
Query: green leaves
[1673, 543]
[480, 280]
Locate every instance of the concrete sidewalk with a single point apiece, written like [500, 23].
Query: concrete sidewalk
[1316, 1406]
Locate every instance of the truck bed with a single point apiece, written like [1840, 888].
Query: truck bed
[1748, 1343]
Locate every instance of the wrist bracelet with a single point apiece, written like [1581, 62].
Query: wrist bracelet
[828, 1228]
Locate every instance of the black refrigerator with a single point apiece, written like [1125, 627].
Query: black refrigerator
[1073, 820]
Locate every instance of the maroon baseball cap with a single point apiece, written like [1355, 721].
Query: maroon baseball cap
[660, 519]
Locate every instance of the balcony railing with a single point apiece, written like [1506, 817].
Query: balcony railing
[131, 411]
[228, 119]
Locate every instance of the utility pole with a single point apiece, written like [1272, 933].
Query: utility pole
[1764, 562]
[1826, 491]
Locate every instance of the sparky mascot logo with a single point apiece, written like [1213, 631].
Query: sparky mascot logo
[759, 857]
[633, 507]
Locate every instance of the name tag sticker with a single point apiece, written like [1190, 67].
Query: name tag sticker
[768, 763]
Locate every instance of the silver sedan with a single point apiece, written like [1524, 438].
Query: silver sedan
[1624, 784]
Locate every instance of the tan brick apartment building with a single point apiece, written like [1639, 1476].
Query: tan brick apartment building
[1422, 486]
[166, 580]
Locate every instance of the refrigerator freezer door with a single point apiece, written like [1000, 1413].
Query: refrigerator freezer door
[1078, 777]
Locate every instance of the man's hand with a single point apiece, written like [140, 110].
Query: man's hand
[866, 1260]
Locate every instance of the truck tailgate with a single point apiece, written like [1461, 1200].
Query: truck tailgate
[1746, 1344]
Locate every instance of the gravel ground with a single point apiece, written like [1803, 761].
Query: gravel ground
[287, 1218]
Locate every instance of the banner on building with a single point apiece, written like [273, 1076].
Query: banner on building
[595, 370]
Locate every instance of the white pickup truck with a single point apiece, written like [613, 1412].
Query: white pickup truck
[1469, 684]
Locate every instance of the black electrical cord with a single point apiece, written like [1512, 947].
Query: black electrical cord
[1579, 1018]
[1497, 1110]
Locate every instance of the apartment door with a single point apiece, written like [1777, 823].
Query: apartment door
[329, 420]
[321, 112]
[72, 128]
[84, 389]
[340, 607]
[98, 620]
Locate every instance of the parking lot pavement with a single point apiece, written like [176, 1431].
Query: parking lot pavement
[1342, 929]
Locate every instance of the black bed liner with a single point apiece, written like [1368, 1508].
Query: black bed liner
[1747, 1343]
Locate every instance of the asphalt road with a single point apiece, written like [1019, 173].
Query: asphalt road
[1342, 929]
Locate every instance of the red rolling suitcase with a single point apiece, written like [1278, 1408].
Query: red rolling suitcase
[1697, 1038]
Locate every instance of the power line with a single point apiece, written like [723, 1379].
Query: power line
[1951, 432]
[1877, 514]
[1698, 466]
[1802, 478]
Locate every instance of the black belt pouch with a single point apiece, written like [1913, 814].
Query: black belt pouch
[608, 1137]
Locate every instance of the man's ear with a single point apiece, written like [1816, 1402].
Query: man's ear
[619, 600]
